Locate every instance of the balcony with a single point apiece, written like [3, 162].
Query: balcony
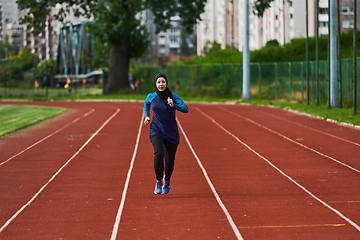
[323, 18]
[323, 4]
[162, 41]
[174, 45]
[323, 31]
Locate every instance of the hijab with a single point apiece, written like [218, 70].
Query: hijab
[164, 95]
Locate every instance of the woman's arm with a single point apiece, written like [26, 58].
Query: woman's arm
[179, 104]
[147, 104]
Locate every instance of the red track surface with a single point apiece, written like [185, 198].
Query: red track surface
[275, 175]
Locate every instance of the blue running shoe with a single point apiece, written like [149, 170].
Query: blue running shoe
[166, 187]
[158, 186]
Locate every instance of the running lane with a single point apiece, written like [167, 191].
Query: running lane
[263, 202]
[82, 200]
[334, 175]
[189, 211]
[337, 141]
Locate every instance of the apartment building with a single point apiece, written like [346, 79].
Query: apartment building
[15, 33]
[213, 25]
[169, 41]
[347, 15]
[284, 20]
[165, 43]
[280, 22]
[10, 14]
[44, 44]
[346, 10]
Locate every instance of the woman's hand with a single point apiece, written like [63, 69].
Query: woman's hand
[170, 102]
[147, 121]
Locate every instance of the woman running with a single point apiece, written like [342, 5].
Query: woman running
[164, 134]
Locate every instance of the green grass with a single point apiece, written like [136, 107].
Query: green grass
[344, 115]
[16, 117]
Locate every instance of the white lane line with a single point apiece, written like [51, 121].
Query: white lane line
[289, 139]
[122, 203]
[288, 177]
[313, 129]
[57, 173]
[218, 199]
[33, 145]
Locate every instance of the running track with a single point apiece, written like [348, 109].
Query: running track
[241, 172]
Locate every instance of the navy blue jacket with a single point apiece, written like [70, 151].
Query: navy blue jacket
[164, 118]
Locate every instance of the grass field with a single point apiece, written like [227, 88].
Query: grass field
[15, 117]
[344, 115]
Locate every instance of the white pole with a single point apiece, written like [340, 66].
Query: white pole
[246, 55]
[333, 57]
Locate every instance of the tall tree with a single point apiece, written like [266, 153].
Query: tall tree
[185, 38]
[260, 6]
[118, 23]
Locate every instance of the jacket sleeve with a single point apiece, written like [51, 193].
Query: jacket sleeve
[147, 105]
[179, 104]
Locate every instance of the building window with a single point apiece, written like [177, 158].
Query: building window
[173, 51]
[351, 24]
[162, 50]
[345, 24]
[351, 11]
[323, 24]
[345, 10]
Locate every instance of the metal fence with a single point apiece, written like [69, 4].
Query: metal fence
[18, 87]
[285, 80]
[282, 80]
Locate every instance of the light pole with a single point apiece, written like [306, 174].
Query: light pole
[246, 55]
[339, 50]
[333, 60]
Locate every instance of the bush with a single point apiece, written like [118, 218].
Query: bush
[293, 51]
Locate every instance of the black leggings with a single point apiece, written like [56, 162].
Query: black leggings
[163, 148]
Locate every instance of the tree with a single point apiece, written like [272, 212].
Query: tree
[16, 66]
[185, 39]
[211, 47]
[117, 24]
[260, 6]
[12, 50]
[39, 72]
[273, 42]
